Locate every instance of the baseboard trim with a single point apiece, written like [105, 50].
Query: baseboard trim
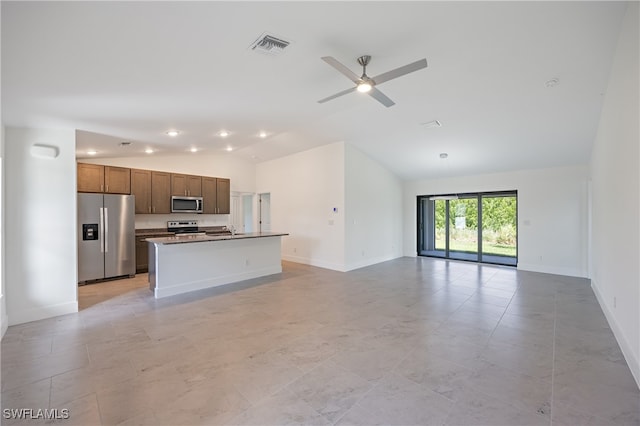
[314, 262]
[569, 272]
[368, 262]
[629, 355]
[43, 312]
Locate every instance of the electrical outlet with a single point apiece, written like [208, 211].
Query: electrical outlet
[540, 258]
[295, 249]
[246, 262]
[614, 301]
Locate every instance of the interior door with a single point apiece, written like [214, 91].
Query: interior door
[265, 212]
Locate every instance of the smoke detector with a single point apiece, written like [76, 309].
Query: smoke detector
[433, 123]
[269, 44]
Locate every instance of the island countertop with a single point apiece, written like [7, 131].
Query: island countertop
[176, 267]
[186, 238]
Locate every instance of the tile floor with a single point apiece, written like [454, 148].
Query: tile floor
[406, 342]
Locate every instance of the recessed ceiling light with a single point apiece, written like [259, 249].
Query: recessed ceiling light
[194, 150]
[149, 151]
[229, 148]
[551, 83]
[262, 134]
[223, 133]
[444, 155]
[173, 133]
[92, 152]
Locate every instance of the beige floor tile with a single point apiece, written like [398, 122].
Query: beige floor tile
[398, 401]
[409, 341]
[330, 389]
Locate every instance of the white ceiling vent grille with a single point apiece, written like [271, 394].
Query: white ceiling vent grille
[269, 44]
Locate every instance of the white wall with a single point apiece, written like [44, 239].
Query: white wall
[242, 174]
[552, 214]
[304, 188]
[373, 211]
[40, 209]
[616, 196]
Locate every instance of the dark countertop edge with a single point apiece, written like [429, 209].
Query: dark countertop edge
[162, 232]
[209, 238]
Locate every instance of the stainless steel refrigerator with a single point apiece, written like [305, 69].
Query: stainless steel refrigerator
[106, 236]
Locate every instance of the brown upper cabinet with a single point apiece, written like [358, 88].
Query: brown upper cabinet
[216, 193]
[107, 179]
[187, 185]
[141, 188]
[152, 191]
[160, 192]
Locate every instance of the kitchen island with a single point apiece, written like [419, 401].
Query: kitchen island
[183, 263]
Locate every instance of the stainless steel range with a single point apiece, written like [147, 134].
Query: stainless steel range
[184, 227]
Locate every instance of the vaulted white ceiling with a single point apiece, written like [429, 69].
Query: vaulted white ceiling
[131, 71]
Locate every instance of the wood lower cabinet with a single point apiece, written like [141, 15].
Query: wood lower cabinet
[142, 255]
[107, 179]
[160, 192]
[216, 193]
[187, 185]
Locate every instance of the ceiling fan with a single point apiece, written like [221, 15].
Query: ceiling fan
[366, 84]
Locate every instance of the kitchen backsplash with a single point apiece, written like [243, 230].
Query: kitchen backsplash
[149, 221]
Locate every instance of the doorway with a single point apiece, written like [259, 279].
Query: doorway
[478, 227]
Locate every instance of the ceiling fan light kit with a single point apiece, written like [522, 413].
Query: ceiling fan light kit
[366, 84]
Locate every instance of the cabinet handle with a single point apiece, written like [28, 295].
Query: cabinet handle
[101, 188]
[149, 209]
[154, 209]
[107, 189]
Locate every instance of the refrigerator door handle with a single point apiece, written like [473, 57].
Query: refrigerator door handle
[101, 229]
[106, 230]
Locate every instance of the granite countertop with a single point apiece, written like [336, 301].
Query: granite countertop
[162, 232]
[159, 232]
[186, 238]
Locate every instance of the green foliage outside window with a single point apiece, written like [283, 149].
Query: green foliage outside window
[498, 223]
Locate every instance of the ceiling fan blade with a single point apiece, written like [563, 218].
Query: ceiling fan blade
[344, 92]
[398, 72]
[381, 97]
[341, 68]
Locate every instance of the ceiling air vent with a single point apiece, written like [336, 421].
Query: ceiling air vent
[269, 44]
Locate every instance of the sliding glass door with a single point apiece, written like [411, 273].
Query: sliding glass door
[499, 229]
[478, 227]
[463, 228]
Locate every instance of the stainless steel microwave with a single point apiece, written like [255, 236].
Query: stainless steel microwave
[186, 204]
